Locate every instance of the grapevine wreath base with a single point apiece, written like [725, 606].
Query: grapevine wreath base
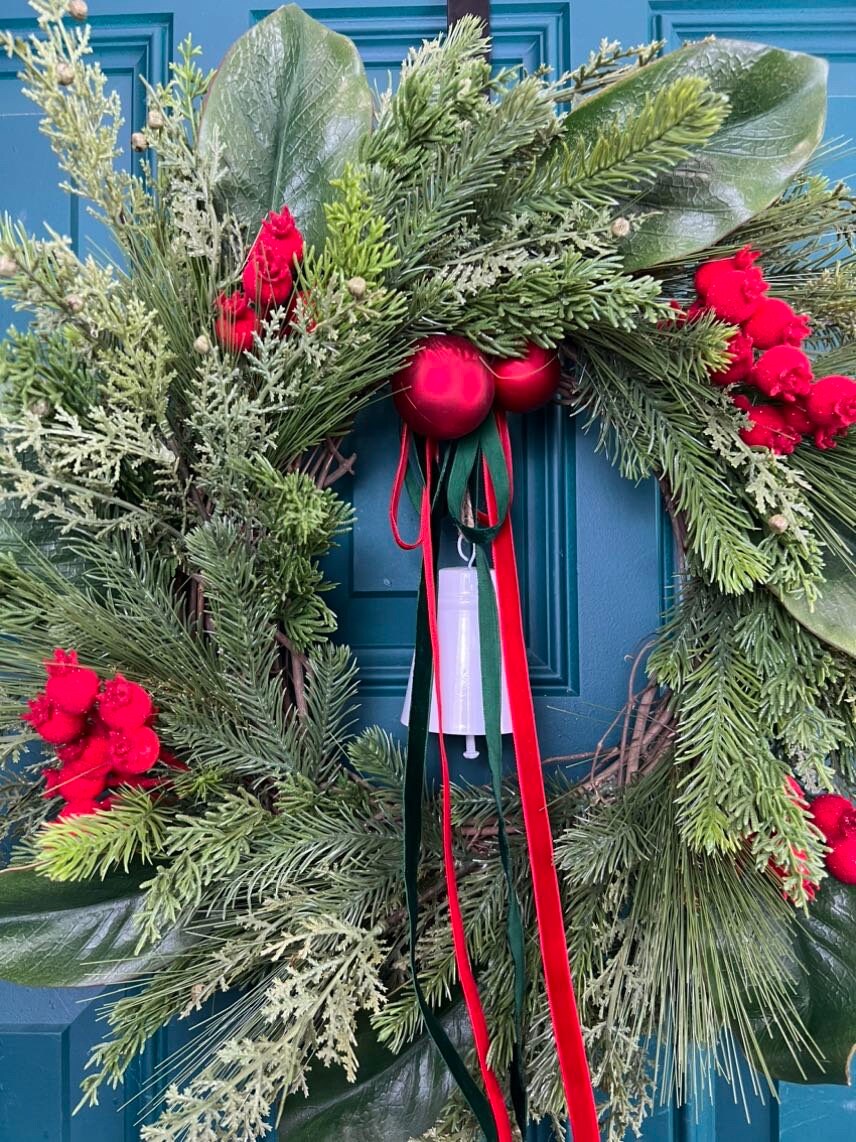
[644, 239]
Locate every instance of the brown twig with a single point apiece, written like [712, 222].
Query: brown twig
[295, 671]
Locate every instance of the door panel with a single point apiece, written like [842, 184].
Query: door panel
[595, 556]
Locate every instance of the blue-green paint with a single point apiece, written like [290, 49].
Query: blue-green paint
[596, 553]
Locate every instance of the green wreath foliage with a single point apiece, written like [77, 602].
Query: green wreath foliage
[166, 506]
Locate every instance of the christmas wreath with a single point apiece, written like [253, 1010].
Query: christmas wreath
[643, 239]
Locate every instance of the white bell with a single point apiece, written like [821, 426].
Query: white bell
[460, 663]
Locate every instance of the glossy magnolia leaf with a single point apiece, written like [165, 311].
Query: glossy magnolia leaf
[833, 616]
[286, 111]
[824, 973]
[778, 110]
[72, 935]
[395, 1097]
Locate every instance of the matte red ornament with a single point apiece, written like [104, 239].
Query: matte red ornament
[834, 815]
[525, 383]
[445, 390]
[742, 358]
[775, 323]
[783, 372]
[841, 861]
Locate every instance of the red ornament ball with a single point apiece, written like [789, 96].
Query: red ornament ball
[525, 383]
[445, 390]
[834, 815]
[841, 861]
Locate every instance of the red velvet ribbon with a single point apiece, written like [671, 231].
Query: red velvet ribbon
[469, 987]
[570, 1046]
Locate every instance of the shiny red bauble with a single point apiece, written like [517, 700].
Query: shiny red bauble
[841, 860]
[834, 815]
[445, 390]
[525, 383]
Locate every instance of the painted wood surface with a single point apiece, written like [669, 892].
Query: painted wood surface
[595, 556]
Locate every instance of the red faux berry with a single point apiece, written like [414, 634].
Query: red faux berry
[707, 273]
[52, 782]
[769, 429]
[236, 324]
[280, 234]
[82, 807]
[267, 278]
[742, 358]
[135, 751]
[783, 372]
[834, 815]
[124, 705]
[775, 323]
[797, 418]
[52, 724]
[82, 779]
[841, 860]
[734, 295]
[831, 402]
[70, 686]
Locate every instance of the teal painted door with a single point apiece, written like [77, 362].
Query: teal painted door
[594, 552]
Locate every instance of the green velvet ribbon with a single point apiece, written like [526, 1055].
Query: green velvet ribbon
[414, 785]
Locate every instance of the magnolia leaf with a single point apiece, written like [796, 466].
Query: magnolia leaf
[833, 616]
[824, 974]
[395, 1097]
[777, 116]
[73, 935]
[284, 115]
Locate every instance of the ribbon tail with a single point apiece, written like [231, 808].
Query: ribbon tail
[466, 975]
[570, 1046]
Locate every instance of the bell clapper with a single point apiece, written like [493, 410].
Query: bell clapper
[471, 751]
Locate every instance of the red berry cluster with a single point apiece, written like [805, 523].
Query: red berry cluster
[102, 733]
[835, 816]
[267, 280]
[784, 401]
